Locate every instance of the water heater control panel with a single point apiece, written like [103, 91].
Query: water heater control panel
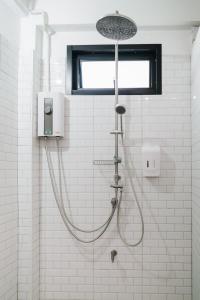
[51, 114]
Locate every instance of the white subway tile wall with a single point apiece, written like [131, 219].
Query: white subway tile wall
[158, 269]
[196, 168]
[8, 169]
[28, 177]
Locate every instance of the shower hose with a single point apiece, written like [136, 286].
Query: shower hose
[58, 194]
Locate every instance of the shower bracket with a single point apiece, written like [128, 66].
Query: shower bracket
[117, 160]
[117, 132]
[116, 186]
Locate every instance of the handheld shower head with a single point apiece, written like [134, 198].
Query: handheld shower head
[120, 109]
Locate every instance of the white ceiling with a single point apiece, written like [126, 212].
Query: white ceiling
[20, 7]
[144, 12]
[30, 4]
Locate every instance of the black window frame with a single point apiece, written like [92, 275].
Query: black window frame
[151, 52]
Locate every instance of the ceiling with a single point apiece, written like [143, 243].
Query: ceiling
[144, 12]
[24, 5]
[30, 4]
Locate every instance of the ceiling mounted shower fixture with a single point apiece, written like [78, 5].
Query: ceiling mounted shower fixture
[116, 27]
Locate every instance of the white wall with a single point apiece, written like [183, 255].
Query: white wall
[9, 23]
[160, 268]
[175, 42]
[196, 167]
[28, 161]
[9, 41]
[145, 13]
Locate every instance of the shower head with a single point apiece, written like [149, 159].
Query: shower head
[116, 27]
[120, 109]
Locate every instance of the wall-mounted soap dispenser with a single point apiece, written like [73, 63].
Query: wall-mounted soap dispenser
[151, 160]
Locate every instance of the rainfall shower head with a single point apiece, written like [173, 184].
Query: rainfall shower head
[116, 27]
[120, 109]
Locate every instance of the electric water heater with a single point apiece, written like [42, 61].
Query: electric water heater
[50, 114]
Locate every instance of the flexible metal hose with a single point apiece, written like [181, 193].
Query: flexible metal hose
[137, 202]
[118, 224]
[67, 221]
[63, 213]
[62, 202]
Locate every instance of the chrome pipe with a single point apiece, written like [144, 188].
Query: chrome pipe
[121, 127]
[116, 74]
[116, 116]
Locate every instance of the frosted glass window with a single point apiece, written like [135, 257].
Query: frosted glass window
[101, 74]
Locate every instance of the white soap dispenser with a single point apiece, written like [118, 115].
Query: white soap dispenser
[151, 160]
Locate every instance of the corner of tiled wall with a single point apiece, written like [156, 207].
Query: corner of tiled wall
[196, 167]
[28, 166]
[8, 168]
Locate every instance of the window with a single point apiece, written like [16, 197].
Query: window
[91, 70]
[101, 74]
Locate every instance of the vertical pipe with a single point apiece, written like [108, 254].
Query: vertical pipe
[116, 73]
[116, 114]
[49, 62]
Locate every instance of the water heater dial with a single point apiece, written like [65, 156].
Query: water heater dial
[48, 110]
[51, 114]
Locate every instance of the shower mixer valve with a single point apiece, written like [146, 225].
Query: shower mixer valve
[117, 160]
[113, 253]
[117, 177]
